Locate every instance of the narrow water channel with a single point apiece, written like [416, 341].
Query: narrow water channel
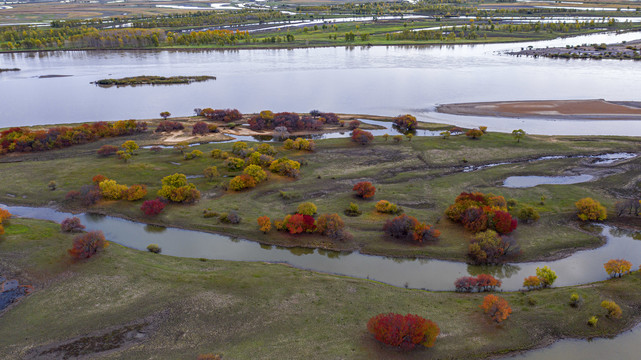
[437, 275]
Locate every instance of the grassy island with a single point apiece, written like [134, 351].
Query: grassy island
[153, 80]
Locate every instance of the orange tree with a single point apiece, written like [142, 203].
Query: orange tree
[404, 332]
[589, 209]
[496, 307]
[617, 267]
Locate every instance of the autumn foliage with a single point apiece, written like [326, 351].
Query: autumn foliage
[25, 140]
[362, 137]
[488, 247]
[175, 188]
[264, 223]
[87, 245]
[408, 228]
[496, 307]
[405, 123]
[71, 224]
[4, 214]
[225, 115]
[292, 121]
[482, 282]
[589, 209]
[152, 207]
[479, 212]
[404, 332]
[617, 267]
[532, 282]
[364, 189]
[332, 226]
[614, 310]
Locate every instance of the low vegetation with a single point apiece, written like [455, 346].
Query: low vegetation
[153, 80]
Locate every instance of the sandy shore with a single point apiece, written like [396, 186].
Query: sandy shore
[553, 109]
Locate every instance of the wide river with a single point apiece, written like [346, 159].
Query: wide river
[366, 80]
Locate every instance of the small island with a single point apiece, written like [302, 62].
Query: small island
[630, 50]
[153, 80]
[12, 69]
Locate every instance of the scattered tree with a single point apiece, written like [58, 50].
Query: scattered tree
[496, 307]
[386, 207]
[364, 189]
[152, 207]
[154, 248]
[265, 224]
[165, 114]
[107, 150]
[617, 267]
[71, 225]
[405, 123]
[306, 208]
[408, 228]
[546, 275]
[404, 332]
[532, 282]
[211, 173]
[332, 226]
[589, 209]
[528, 214]
[614, 310]
[87, 245]
[518, 134]
[362, 137]
[474, 134]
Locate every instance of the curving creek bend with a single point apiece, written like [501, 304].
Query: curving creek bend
[379, 80]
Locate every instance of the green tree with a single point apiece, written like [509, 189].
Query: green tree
[547, 276]
[518, 134]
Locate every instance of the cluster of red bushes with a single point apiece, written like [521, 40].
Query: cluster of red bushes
[482, 282]
[169, 126]
[479, 212]
[362, 137]
[404, 332]
[226, 115]
[292, 121]
[87, 245]
[405, 227]
[25, 140]
[330, 225]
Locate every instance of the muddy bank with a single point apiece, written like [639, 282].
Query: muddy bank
[597, 109]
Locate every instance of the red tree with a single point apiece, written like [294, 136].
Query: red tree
[87, 245]
[404, 332]
[71, 224]
[152, 207]
[503, 223]
[362, 137]
[364, 189]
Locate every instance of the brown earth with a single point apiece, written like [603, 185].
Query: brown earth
[597, 109]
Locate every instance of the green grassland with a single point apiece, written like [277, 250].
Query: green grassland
[423, 176]
[125, 303]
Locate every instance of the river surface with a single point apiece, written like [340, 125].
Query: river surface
[429, 274]
[369, 80]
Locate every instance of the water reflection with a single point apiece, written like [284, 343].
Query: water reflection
[154, 229]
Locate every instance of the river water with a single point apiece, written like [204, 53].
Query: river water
[369, 80]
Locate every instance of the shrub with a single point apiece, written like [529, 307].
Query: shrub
[479, 212]
[362, 137]
[386, 207]
[238, 147]
[614, 310]
[546, 275]
[234, 164]
[332, 226]
[89, 195]
[98, 179]
[364, 189]
[404, 332]
[71, 225]
[352, 210]
[482, 282]
[200, 128]
[169, 126]
[107, 150]
[592, 321]
[408, 228]
[288, 144]
[397, 138]
[405, 123]
[496, 307]
[528, 214]
[211, 172]
[242, 182]
[4, 214]
[474, 134]
[264, 223]
[152, 207]
[285, 167]
[175, 188]
[590, 209]
[231, 217]
[532, 282]
[301, 144]
[87, 245]
[130, 146]
[193, 154]
[256, 172]
[72, 195]
[502, 222]
[136, 192]
[225, 115]
[110, 189]
[154, 248]
[216, 153]
[298, 223]
[306, 208]
[575, 299]
[617, 267]
[354, 124]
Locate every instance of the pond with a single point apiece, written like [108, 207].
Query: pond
[531, 181]
[357, 80]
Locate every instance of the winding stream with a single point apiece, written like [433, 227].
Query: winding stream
[428, 274]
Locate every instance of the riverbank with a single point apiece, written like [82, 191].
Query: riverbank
[183, 307]
[549, 109]
[423, 176]
[622, 51]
